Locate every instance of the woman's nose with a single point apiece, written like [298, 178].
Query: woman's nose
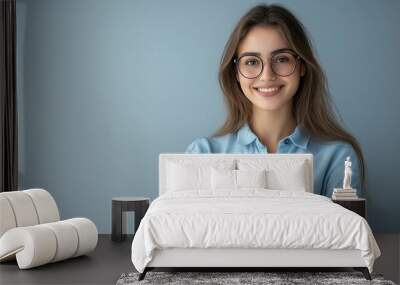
[267, 73]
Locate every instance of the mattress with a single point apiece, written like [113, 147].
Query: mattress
[250, 219]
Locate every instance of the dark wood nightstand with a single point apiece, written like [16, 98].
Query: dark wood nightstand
[126, 204]
[356, 205]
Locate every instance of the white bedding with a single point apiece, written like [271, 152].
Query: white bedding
[250, 218]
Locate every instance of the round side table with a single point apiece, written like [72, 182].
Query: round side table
[139, 205]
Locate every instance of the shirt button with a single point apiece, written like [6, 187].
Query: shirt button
[286, 141]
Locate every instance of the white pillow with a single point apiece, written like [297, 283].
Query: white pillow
[251, 178]
[188, 176]
[236, 179]
[281, 175]
[223, 179]
[295, 179]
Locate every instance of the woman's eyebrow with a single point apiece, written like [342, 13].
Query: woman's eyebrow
[259, 54]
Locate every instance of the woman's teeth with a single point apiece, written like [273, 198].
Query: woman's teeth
[268, 92]
[268, 89]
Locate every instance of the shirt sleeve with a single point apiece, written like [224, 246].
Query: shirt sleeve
[200, 145]
[335, 174]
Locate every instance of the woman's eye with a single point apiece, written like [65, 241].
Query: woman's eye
[282, 59]
[252, 62]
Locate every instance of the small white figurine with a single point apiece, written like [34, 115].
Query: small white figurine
[347, 174]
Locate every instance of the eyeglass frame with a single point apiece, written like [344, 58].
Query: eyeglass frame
[274, 53]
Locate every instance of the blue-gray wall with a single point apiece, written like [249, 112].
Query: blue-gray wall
[105, 86]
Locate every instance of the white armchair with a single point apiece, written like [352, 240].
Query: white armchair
[32, 233]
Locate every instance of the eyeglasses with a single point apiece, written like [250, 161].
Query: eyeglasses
[283, 63]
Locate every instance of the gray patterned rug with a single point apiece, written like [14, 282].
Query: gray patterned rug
[230, 278]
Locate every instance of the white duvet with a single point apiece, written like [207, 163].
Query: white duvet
[250, 218]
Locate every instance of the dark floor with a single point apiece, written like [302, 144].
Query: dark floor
[111, 259]
[102, 266]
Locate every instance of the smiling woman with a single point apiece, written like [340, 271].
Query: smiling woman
[277, 99]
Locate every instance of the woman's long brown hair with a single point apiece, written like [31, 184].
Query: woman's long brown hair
[312, 105]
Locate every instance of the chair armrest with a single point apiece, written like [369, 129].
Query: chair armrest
[40, 244]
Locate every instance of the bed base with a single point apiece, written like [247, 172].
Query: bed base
[364, 270]
[250, 259]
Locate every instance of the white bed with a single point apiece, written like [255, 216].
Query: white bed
[199, 220]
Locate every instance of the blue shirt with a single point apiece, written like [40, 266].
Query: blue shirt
[329, 157]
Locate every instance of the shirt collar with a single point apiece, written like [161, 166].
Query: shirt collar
[299, 137]
[245, 135]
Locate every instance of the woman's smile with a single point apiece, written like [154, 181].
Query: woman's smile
[268, 91]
